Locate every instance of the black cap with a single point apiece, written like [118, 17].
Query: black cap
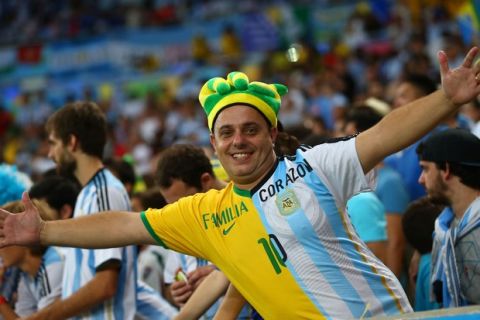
[451, 145]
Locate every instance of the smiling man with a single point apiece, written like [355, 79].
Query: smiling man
[293, 254]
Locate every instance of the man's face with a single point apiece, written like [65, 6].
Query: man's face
[12, 256]
[59, 153]
[350, 128]
[404, 94]
[431, 179]
[243, 142]
[178, 189]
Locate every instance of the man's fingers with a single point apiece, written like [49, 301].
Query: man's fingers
[476, 65]
[183, 298]
[27, 202]
[468, 61]
[179, 288]
[199, 273]
[178, 284]
[443, 62]
[476, 70]
[3, 214]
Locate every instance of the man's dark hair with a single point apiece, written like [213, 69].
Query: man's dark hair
[286, 144]
[458, 149]
[363, 117]
[468, 175]
[418, 223]
[151, 198]
[86, 121]
[422, 82]
[184, 162]
[57, 191]
[123, 169]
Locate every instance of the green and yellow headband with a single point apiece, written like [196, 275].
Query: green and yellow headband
[219, 93]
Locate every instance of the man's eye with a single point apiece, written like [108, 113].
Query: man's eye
[225, 133]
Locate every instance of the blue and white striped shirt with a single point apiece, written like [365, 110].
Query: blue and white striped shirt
[35, 293]
[103, 192]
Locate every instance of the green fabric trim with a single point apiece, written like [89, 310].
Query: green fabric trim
[241, 192]
[215, 98]
[150, 230]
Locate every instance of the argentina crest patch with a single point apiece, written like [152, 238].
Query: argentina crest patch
[287, 202]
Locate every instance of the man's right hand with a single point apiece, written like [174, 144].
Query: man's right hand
[22, 228]
[198, 275]
[180, 291]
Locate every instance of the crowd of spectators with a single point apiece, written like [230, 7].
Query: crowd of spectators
[363, 66]
[43, 21]
[324, 81]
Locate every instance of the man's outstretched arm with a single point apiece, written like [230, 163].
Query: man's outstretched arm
[407, 124]
[102, 230]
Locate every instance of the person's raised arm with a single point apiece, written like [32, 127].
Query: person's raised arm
[407, 124]
[103, 230]
[231, 305]
[209, 291]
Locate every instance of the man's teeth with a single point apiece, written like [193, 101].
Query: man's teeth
[240, 155]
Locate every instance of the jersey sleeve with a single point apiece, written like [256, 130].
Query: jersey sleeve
[114, 198]
[54, 274]
[117, 200]
[179, 226]
[339, 167]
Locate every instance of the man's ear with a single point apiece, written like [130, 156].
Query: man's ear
[66, 212]
[273, 134]
[212, 142]
[206, 180]
[72, 143]
[447, 173]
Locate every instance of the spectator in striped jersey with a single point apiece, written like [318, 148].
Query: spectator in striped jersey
[41, 278]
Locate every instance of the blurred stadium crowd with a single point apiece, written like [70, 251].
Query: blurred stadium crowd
[332, 55]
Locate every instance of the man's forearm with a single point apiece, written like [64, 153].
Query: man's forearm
[396, 243]
[209, 291]
[101, 288]
[102, 230]
[402, 127]
[231, 305]
[7, 312]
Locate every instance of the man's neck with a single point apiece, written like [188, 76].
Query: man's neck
[87, 167]
[269, 164]
[462, 199]
[218, 184]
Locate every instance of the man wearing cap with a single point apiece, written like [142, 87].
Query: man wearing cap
[277, 230]
[450, 162]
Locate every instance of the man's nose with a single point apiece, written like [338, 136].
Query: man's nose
[421, 179]
[238, 139]
[50, 153]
